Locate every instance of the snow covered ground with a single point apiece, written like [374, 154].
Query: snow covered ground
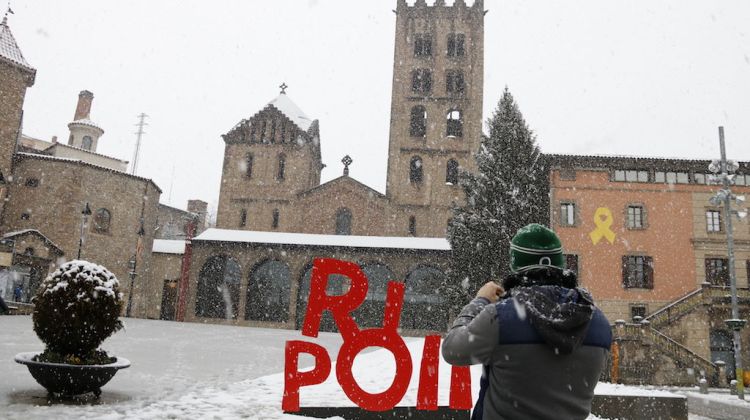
[185, 370]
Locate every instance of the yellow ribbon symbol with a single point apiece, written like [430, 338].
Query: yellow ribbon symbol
[603, 220]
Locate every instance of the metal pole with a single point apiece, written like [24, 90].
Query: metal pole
[139, 133]
[130, 292]
[735, 323]
[80, 237]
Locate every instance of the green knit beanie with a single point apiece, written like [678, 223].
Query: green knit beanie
[535, 246]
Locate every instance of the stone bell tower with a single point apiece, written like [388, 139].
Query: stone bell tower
[436, 108]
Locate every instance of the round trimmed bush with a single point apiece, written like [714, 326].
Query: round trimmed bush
[76, 308]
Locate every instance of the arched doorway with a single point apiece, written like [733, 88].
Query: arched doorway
[268, 292]
[218, 291]
[370, 313]
[337, 285]
[424, 300]
[722, 348]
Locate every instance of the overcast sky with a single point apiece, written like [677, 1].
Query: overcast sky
[647, 78]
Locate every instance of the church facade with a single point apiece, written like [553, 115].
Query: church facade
[275, 217]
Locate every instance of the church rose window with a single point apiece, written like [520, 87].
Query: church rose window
[102, 220]
[268, 292]
[218, 293]
[418, 123]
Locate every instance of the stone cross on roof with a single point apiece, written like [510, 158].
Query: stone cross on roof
[283, 87]
[347, 160]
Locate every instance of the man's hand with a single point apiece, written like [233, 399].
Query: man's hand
[491, 291]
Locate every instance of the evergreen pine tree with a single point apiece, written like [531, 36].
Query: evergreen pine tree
[508, 191]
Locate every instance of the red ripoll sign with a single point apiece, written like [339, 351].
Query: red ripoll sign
[355, 340]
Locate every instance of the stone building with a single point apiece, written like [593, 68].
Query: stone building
[272, 162]
[274, 216]
[65, 201]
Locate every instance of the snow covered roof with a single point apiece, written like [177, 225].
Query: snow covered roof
[630, 162]
[87, 122]
[283, 238]
[9, 50]
[292, 111]
[34, 232]
[81, 162]
[169, 246]
[67, 146]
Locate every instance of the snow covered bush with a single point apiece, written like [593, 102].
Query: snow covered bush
[76, 308]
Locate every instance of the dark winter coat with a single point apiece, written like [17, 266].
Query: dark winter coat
[543, 349]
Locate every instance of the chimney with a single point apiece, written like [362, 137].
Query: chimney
[200, 208]
[54, 139]
[83, 109]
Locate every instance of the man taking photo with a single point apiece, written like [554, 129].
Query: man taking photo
[543, 344]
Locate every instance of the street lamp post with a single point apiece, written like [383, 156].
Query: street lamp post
[725, 197]
[131, 267]
[85, 213]
[131, 272]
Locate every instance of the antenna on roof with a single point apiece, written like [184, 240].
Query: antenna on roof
[139, 133]
[283, 87]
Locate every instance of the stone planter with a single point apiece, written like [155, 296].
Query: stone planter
[68, 379]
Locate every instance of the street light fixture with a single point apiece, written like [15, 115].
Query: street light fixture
[85, 213]
[725, 197]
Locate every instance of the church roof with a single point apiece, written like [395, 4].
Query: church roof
[292, 111]
[342, 179]
[9, 50]
[34, 232]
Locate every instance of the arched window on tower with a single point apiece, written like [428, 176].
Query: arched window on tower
[451, 172]
[421, 81]
[454, 123]
[249, 165]
[87, 143]
[418, 123]
[412, 226]
[282, 167]
[343, 221]
[416, 172]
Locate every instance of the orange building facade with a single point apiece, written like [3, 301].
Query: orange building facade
[641, 233]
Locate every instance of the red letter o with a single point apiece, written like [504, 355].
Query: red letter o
[376, 337]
